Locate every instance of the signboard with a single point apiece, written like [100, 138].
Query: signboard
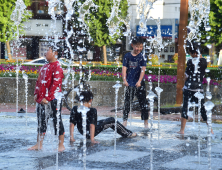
[43, 27]
[166, 30]
[43, 48]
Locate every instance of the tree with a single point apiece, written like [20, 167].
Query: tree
[215, 21]
[97, 22]
[6, 25]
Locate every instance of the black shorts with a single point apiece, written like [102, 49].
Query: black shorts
[140, 93]
[187, 94]
[44, 112]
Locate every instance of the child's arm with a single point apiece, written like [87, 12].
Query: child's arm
[92, 133]
[124, 76]
[71, 130]
[142, 73]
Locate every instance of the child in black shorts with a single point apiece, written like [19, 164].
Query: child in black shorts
[134, 66]
[48, 84]
[93, 127]
[193, 83]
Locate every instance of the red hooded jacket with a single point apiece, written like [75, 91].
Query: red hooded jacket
[49, 81]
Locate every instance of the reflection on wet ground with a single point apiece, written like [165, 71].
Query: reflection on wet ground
[170, 150]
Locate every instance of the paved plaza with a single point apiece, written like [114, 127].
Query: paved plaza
[164, 149]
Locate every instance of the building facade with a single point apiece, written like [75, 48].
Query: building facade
[168, 11]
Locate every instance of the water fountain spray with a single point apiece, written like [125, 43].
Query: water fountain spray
[151, 97]
[144, 7]
[209, 106]
[51, 11]
[58, 96]
[116, 20]
[84, 10]
[158, 90]
[116, 86]
[157, 44]
[25, 77]
[16, 17]
[199, 13]
[200, 96]
[73, 84]
[83, 110]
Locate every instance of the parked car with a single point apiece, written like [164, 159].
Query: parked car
[41, 61]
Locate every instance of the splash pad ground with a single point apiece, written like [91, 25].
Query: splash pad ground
[170, 150]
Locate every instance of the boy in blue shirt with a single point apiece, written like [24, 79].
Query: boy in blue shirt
[134, 66]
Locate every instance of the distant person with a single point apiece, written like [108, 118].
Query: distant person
[193, 84]
[134, 66]
[48, 84]
[93, 127]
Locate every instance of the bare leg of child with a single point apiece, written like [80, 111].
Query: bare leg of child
[38, 145]
[125, 123]
[61, 141]
[146, 123]
[212, 132]
[183, 124]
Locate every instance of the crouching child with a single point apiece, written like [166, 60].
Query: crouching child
[93, 127]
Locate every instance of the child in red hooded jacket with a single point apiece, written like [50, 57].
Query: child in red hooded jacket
[49, 82]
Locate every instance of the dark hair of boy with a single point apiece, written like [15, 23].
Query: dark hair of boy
[137, 40]
[194, 47]
[57, 48]
[86, 96]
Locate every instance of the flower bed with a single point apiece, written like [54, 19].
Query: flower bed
[7, 70]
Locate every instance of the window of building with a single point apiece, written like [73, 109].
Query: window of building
[39, 9]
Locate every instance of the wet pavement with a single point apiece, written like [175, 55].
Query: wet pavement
[164, 149]
[105, 111]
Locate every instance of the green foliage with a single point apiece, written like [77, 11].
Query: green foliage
[7, 27]
[215, 21]
[97, 21]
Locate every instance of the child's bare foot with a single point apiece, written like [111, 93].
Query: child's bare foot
[72, 140]
[181, 132]
[61, 148]
[125, 123]
[133, 135]
[212, 132]
[35, 147]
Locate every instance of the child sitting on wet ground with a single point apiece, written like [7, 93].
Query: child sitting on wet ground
[93, 127]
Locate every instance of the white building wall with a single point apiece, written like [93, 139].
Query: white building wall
[163, 9]
[171, 9]
[157, 11]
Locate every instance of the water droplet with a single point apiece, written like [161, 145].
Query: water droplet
[209, 46]
[207, 28]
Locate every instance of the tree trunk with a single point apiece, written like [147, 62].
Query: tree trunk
[8, 50]
[181, 52]
[212, 54]
[104, 55]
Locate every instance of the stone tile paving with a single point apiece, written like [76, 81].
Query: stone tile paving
[104, 111]
[168, 151]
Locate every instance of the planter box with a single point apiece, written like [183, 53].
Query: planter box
[104, 93]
